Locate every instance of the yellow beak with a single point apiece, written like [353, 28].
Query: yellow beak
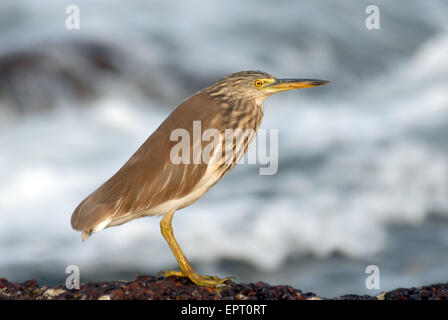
[289, 84]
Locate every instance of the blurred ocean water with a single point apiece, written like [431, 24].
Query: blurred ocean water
[363, 170]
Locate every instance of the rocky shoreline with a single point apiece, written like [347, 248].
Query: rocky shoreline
[175, 288]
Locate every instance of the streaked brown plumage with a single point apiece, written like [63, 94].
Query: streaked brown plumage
[151, 184]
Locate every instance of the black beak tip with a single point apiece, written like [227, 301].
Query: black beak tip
[320, 82]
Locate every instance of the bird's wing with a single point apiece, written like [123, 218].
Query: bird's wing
[150, 178]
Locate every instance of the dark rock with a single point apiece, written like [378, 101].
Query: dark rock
[176, 288]
[50, 75]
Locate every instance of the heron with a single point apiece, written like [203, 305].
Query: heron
[150, 183]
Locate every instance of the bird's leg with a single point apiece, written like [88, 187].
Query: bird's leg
[187, 270]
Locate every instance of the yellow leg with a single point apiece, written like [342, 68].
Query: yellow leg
[187, 270]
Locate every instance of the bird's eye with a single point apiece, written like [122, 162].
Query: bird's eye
[258, 83]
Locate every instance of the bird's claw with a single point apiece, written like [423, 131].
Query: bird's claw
[201, 280]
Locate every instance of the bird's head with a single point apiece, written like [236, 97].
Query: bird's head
[255, 86]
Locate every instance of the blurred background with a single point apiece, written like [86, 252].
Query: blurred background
[363, 170]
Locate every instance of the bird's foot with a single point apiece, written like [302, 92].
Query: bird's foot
[201, 280]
